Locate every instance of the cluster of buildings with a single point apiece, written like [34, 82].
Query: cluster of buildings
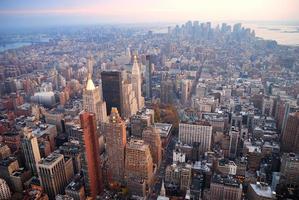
[197, 112]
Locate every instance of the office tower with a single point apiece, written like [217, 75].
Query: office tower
[234, 135]
[90, 159]
[189, 133]
[185, 91]
[51, 171]
[115, 133]
[148, 77]
[225, 187]
[166, 93]
[290, 137]
[92, 100]
[138, 167]
[31, 150]
[289, 169]
[112, 90]
[4, 190]
[136, 83]
[151, 136]
[129, 103]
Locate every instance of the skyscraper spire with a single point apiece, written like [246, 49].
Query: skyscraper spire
[136, 82]
[92, 98]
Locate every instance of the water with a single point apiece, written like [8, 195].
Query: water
[13, 45]
[284, 34]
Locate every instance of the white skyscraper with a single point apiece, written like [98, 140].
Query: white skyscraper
[92, 99]
[136, 83]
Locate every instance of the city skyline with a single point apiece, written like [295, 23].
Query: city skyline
[31, 13]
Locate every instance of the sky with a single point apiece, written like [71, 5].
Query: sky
[21, 13]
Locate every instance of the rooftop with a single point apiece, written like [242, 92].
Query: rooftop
[163, 128]
[262, 189]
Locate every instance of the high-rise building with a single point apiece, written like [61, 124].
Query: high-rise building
[51, 171]
[290, 137]
[148, 77]
[31, 150]
[92, 100]
[152, 137]
[166, 93]
[185, 91]
[234, 135]
[189, 133]
[129, 103]
[112, 90]
[289, 169]
[115, 133]
[4, 190]
[138, 167]
[90, 159]
[136, 83]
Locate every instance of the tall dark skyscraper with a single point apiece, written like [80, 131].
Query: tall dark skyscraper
[112, 90]
[148, 77]
[91, 158]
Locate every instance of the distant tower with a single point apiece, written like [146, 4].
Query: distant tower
[92, 99]
[52, 174]
[31, 150]
[90, 158]
[290, 136]
[148, 77]
[116, 139]
[136, 82]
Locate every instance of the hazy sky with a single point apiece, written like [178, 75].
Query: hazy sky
[42, 12]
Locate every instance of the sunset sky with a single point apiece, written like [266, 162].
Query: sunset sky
[43, 12]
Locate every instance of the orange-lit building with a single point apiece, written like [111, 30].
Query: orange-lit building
[90, 158]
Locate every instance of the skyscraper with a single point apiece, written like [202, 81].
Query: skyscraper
[90, 158]
[129, 103]
[51, 171]
[290, 137]
[139, 167]
[92, 99]
[31, 150]
[148, 77]
[233, 143]
[151, 136]
[136, 83]
[115, 133]
[112, 90]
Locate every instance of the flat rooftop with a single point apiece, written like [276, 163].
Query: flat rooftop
[163, 128]
[262, 190]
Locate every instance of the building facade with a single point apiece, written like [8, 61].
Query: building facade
[189, 133]
[90, 155]
[115, 134]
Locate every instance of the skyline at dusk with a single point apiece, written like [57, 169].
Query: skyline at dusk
[41, 13]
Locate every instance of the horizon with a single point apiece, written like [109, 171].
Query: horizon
[32, 13]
